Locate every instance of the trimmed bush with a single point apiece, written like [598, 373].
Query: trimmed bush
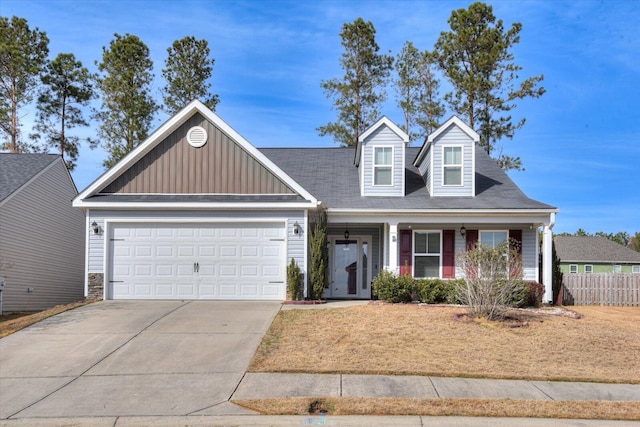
[436, 291]
[392, 288]
[535, 294]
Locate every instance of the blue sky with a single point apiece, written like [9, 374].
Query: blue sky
[580, 145]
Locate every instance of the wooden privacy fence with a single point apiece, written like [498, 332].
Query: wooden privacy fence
[621, 289]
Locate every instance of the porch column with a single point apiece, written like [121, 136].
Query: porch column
[393, 247]
[547, 259]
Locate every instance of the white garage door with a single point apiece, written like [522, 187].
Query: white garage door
[217, 261]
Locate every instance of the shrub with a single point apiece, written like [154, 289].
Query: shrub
[318, 255]
[435, 291]
[493, 280]
[535, 294]
[295, 280]
[393, 288]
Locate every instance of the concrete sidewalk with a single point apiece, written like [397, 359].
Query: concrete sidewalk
[266, 385]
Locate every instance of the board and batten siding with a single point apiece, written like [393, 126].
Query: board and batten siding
[42, 237]
[221, 166]
[454, 136]
[295, 243]
[383, 137]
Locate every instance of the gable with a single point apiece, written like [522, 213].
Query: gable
[220, 166]
[18, 169]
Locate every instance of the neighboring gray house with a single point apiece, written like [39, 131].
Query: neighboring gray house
[595, 254]
[41, 235]
[197, 212]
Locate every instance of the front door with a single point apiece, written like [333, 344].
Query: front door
[350, 271]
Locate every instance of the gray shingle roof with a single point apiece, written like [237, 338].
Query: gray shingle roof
[593, 249]
[329, 174]
[18, 168]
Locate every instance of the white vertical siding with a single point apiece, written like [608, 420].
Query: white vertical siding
[456, 137]
[42, 236]
[383, 137]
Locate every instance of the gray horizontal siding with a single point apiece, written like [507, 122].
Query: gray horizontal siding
[42, 237]
[295, 244]
[453, 136]
[383, 136]
[425, 170]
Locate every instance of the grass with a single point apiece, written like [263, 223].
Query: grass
[602, 346]
[447, 407]
[11, 323]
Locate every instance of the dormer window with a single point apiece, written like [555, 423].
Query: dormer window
[383, 166]
[452, 165]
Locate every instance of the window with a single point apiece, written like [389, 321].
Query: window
[426, 254]
[635, 268]
[617, 269]
[452, 166]
[573, 268]
[493, 238]
[588, 268]
[383, 166]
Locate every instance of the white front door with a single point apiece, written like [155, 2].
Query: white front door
[193, 261]
[349, 261]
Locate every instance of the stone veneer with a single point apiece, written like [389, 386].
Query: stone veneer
[96, 286]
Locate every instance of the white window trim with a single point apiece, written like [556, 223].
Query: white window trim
[590, 267]
[635, 269]
[461, 166]
[414, 254]
[492, 231]
[571, 266]
[374, 166]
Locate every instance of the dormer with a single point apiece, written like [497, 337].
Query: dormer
[380, 159]
[447, 160]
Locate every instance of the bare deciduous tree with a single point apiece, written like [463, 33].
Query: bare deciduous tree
[493, 280]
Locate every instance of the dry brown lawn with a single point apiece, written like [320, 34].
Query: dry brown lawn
[602, 346]
[12, 323]
[447, 407]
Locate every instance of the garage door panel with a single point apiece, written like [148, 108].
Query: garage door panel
[216, 261]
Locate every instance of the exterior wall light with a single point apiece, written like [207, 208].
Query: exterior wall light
[463, 231]
[95, 227]
[346, 234]
[296, 228]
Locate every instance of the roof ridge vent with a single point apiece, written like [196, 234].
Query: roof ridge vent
[197, 136]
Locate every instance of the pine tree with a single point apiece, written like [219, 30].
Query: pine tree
[359, 93]
[127, 105]
[23, 53]
[476, 57]
[188, 68]
[66, 87]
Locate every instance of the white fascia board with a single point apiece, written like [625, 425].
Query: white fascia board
[462, 125]
[168, 127]
[190, 205]
[384, 121]
[524, 216]
[423, 151]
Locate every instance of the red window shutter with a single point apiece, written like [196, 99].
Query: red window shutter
[516, 237]
[405, 252]
[472, 238]
[448, 254]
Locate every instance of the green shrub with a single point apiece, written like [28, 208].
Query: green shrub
[535, 293]
[435, 291]
[392, 288]
[295, 279]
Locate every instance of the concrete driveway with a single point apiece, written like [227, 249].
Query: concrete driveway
[119, 358]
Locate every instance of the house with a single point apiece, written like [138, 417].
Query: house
[197, 212]
[595, 254]
[41, 235]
